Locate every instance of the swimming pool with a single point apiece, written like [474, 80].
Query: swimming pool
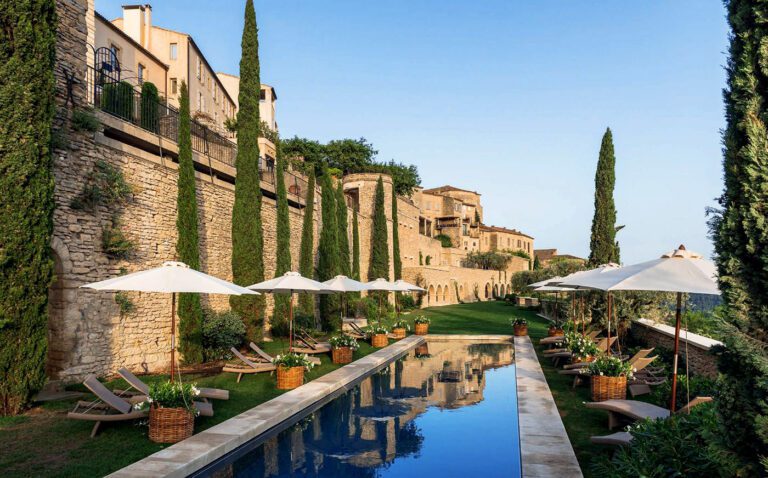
[447, 408]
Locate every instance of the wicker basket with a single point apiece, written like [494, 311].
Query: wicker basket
[341, 355]
[555, 332]
[398, 332]
[521, 330]
[607, 388]
[170, 425]
[379, 340]
[289, 377]
[421, 329]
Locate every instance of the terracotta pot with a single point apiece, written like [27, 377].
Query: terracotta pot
[607, 388]
[421, 329]
[379, 340]
[170, 425]
[289, 377]
[555, 332]
[521, 330]
[399, 332]
[341, 355]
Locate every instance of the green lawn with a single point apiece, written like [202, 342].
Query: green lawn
[494, 318]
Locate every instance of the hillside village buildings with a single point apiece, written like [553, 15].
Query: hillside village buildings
[88, 331]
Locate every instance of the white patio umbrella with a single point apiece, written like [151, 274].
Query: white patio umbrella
[680, 271]
[381, 284]
[575, 281]
[289, 283]
[556, 289]
[542, 283]
[173, 278]
[343, 284]
[409, 287]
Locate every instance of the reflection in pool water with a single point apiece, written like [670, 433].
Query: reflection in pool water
[449, 409]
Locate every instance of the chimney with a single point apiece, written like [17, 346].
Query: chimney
[147, 26]
[137, 22]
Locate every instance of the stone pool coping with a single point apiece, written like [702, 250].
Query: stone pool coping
[194, 453]
[545, 448]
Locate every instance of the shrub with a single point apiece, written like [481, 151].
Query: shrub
[114, 243]
[171, 395]
[343, 341]
[85, 120]
[368, 307]
[149, 104]
[420, 319]
[221, 331]
[581, 346]
[610, 366]
[407, 302]
[683, 445]
[696, 386]
[105, 185]
[445, 240]
[117, 98]
[293, 360]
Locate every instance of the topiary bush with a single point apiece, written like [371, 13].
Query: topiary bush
[149, 104]
[221, 331]
[117, 98]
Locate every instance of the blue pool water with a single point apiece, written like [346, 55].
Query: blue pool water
[447, 411]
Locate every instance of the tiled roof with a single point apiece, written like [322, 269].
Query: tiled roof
[545, 254]
[448, 187]
[483, 227]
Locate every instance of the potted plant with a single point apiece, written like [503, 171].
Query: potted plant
[399, 328]
[521, 327]
[290, 370]
[171, 411]
[555, 329]
[583, 348]
[609, 378]
[378, 334]
[421, 325]
[342, 347]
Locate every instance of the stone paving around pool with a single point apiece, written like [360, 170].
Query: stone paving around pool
[544, 445]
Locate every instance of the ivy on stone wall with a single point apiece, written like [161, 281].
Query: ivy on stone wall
[27, 40]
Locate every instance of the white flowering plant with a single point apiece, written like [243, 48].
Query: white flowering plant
[338, 341]
[518, 321]
[377, 329]
[401, 324]
[610, 366]
[581, 346]
[420, 319]
[171, 395]
[292, 359]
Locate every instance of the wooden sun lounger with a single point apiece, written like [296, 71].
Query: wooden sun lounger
[143, 389]
[620, 410]
[310, 348]
[108, 407]
[247, 366]
[576, 369]
[357, 330]
[553, 340]
[265, 357]
[307, 337]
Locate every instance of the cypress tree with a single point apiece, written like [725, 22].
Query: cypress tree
[27, 42]
[283, 261]
[328, 254]
[343, 234]
[397, 262]
[307, 253]
[602, 245]
[187, 244]
[740, 234]
[355, 247]
[379, 266]
[247, 233]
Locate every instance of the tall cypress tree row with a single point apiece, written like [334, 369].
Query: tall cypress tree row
[355, 247]
[27, 42]
[740, 233]
[328, 254]
[602, 245]
[397, 262]
[187, 243]
[247, 233]
[343, 234]
[379, 266]
[283, 261]
[307, 252]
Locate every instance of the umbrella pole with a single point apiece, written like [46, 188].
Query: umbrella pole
[673, 399]
[290, 321]
[173, 333]
[608, 342]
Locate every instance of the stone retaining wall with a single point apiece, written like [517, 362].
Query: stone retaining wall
[700, 361]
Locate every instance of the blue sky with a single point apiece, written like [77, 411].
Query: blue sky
[509, 98]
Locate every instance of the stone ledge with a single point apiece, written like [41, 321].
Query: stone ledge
[207, 446]
[694, 340]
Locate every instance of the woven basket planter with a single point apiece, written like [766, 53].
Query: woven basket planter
[170, 425]
[421, 329]
[398, 332]
[521, 330]
[608, 388]
[555, 332]
[341, 355]
[379, 340]
[289, 377]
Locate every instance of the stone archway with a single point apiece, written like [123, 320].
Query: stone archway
[495, 291]
[62, 303]
[461, 293]
[430, 294]
[487, 290]
[466, 295]
[439, 294]
[445, 293]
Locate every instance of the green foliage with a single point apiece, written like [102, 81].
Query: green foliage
[606, 365]
[268, 133]
[307, 251]
[328, 255]
[683, 445]
[422, 319]
[519, 253]
[519, 321]
[114, 242]
[407, 302]
[401, 324]
[117, 98]
[445, 240]
[230, 124]
[421, 259]
[697, 386]
[376, 329]
[221, 331]
[490, 260]
[104, 185]
[536, 264]
[59, 140]
[125, 303]
[173, 395]
[520, 280]
[428, 260]
[283, 248]
[247, 233]
[293, 360]
[397, 261]
[343, 234]
[343, 340]
[187, 242]
[355, 248]
[85, 120]
[379, 265]
[150, 101]
[602, 245]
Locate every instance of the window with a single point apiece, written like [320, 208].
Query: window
[199, 101]
[263, 95]
[508, 242]
[141, 73]
[216, 116]
[174, 85]
[115, 51]
[174, 53]
[519, 244]
[199, 69]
